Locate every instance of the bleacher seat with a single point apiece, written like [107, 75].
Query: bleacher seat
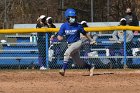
[21, 52]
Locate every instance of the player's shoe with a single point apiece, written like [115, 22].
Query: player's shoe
[43, 68]
[91, 70]
[62, 72]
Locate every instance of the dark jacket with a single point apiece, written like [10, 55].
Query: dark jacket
[132, 20]
[52, 26]
[42, 35]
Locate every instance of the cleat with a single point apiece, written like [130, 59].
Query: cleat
[62, 72]
[43, 68]
[91, 70]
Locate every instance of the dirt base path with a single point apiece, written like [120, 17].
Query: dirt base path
[75, 81]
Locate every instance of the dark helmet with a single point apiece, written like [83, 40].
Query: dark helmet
[123, 21]
[84, 24]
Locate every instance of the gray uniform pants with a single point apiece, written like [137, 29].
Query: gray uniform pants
[73, 51]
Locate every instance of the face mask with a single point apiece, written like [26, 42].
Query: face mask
[43, 20]
[129, 13]
[123, 23]
[72, 20]
[84, 25]
[50, 21]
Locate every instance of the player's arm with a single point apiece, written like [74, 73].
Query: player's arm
[56, 39]
[129, 36]
[59, 38]
[87, 36]
[60, 34]
[91, 40]
[115, 37]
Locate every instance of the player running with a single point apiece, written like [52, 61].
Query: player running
[72, 29]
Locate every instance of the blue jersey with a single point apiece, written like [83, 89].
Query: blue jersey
[72, 31]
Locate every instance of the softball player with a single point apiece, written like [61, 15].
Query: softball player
[50, 22]
[71, 29]
[41, 42]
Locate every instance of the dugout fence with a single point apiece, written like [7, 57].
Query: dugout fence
[19, 49]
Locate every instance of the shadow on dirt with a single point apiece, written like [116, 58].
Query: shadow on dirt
[100, 74]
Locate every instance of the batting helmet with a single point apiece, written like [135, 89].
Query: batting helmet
[70, 12]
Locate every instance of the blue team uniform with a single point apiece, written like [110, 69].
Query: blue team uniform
[72, 31]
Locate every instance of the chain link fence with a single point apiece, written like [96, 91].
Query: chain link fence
[20, 51]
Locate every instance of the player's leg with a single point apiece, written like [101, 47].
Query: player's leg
[112, 60]
[129, 46]
[76, 58]
[112, 52]
[42, 54]
[71, 48]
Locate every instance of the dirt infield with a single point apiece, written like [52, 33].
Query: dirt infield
[75, 81]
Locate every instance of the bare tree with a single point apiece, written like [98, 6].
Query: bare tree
[27, 11]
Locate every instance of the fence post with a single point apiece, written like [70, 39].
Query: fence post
[47, 49]
[125, 53]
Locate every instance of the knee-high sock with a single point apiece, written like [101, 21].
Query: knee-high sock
[65, 65]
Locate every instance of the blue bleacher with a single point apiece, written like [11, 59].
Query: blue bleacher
[23, 48]
[21, 52]
[104, 41]
[20, 47]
